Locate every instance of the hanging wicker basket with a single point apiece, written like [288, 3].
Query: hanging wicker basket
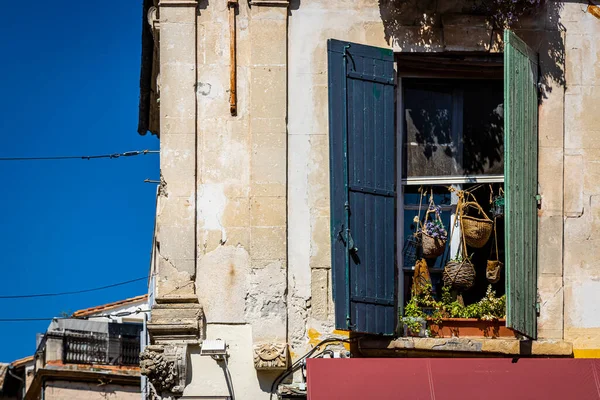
[477, 231]
[411, 250]
[460, 275]
[493, 271]
[432, 247]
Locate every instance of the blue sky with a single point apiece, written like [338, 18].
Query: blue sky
[69, 86]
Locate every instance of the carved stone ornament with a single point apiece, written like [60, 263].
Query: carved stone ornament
[269, 356]
[165, 368]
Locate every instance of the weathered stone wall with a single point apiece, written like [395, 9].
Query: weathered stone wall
[241, 181]
[243, 220]
[242, 171]
[581, 249]
[61, 390]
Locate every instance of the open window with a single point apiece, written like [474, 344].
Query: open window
[454, 122]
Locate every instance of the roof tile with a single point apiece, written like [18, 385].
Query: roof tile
[94, 310]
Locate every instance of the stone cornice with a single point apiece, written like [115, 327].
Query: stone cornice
[270, 3]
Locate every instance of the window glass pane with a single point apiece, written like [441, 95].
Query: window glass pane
[430, 147]
[453, 127]
[483, 128]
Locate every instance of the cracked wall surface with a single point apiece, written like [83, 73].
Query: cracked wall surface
[581, 277]
[243, 216]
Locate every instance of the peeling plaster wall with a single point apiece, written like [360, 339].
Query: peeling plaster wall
[261, 266]
[582, 178]
[309, 282]
[241, 243]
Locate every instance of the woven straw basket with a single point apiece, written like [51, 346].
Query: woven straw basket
[432, 247]
[459, 275]
[477, 231]
[493, 271]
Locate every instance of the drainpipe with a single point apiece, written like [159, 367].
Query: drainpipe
[10, 372]
[143, 344]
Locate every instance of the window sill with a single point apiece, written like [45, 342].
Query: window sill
[377, 346]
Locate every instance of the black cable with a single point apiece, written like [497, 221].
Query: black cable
[298, 362]
[24, 296]
[114, 155]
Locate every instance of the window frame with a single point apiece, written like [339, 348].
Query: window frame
[456, 181]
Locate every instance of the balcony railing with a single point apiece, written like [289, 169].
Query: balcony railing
[80, 347]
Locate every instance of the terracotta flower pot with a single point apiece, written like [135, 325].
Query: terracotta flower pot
[469, 327]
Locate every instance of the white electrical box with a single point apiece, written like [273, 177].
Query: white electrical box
[213, 347]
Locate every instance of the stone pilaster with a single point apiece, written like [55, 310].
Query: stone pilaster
[176, 212]
[176, 319]
[268, 170]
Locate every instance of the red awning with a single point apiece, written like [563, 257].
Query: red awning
[453, 378]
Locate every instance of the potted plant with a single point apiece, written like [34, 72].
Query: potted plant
[415, 315]
[425, 316]
[484, 318]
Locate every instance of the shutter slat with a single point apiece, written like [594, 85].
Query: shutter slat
[371, 165]
[520, 155]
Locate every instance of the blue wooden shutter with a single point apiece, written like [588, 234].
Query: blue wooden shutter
[363, 175]
[520, 170]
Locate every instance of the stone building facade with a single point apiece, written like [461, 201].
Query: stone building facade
[243, 238]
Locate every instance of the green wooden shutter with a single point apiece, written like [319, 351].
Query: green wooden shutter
[520, 171]
[363, 175]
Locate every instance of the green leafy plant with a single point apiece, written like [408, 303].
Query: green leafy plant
[489, 308]
[414, 310]
[492, 307]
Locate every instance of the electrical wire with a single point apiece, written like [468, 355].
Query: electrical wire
[298, 362]
[229, 380]
[94, 157]
[26, 296]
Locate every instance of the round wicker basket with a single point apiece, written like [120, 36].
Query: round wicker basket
[432, 247]
[477, 231]
[459, 275]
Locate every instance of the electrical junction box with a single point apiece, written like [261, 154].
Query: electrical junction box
[213, 347]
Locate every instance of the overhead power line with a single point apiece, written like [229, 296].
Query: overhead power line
[25, 296]
[114, 155]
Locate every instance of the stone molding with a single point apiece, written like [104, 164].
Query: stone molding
[165, 368]
[153, 21]
[270, 3]
[176, 323]
[270, 356]
[432, 347]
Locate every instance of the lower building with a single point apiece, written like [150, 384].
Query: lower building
[92, 355]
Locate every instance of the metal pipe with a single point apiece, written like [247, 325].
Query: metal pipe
[232, 4]
[10, 368]
[143, 344]
[346, 183]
